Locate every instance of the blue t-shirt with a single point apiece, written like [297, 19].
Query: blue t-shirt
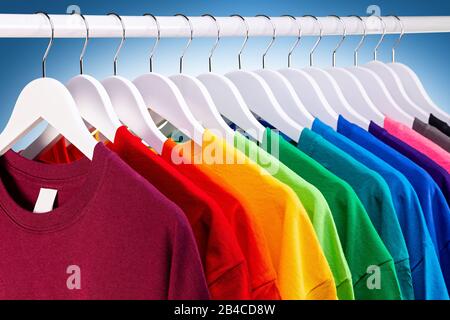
[439, 174]
[373, 192]
[434, 206]
[407, 206]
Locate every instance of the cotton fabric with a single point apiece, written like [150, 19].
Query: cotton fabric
[433, 203]
[315, 205]
[432, 134]
[326, 154]
[440, 176]
[223, 262]
[439, 124]
[292, 243]
[141, 248]
[377, 196]
[418, 142]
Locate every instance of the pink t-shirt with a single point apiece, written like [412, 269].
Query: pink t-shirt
[418, 142]
[111, 234]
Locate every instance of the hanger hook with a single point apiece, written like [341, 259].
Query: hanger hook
[245, 40]
[116, 56]
[299, 36]
[402, 33]
[311, 53]
[217, 40]
[86, 40]
[355, 53]
[274, 35]
[158, 37]
[344, 35]
[375, 51]
[191, 36]
[50, 43]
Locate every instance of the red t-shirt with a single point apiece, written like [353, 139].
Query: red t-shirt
[225, 267]
[111, 234]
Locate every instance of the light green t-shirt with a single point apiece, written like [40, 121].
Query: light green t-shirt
[316, 207]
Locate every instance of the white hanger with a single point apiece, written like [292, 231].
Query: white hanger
[164, 98]
[197, 97]
[47, 99]
[261, 100]
[307, 88]
[228, 99]
[392, 81]
[351, 87]
[375, 88]
[285, 93]
[412, 84]
[129, 104]
[93, 105]
[331, 89]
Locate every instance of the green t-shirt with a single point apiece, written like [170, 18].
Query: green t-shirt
[363, 247]
[373, 192]
[316, 207]
[370, 184]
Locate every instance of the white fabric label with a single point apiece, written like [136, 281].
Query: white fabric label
[45, 200]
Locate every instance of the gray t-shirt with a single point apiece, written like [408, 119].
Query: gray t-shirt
[432, 134]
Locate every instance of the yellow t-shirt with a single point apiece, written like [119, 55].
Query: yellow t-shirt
[302, 269]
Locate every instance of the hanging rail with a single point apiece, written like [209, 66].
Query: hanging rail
[72, 26]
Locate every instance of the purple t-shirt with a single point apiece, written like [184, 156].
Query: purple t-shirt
[110, 235]
[439, 174]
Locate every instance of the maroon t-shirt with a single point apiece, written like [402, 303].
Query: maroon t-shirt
[111, 235]
[224, 264]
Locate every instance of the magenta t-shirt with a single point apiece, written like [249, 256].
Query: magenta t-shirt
[111, 234]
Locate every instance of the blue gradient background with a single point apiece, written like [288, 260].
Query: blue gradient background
[20, 59]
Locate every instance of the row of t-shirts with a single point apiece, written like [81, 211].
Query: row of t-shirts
[345, 214]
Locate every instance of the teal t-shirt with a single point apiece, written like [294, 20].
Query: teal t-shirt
[362, 245]
[316, 207]
[374, 192]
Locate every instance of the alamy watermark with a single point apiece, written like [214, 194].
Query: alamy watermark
[73, 281]
[73, 8]
[373, 281]
[217, 149]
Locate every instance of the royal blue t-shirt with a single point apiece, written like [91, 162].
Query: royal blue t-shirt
[433, 203]
[422, 255]
[439, 174]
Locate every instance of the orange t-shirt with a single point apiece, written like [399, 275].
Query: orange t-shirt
[301, 266]
[249, 233]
